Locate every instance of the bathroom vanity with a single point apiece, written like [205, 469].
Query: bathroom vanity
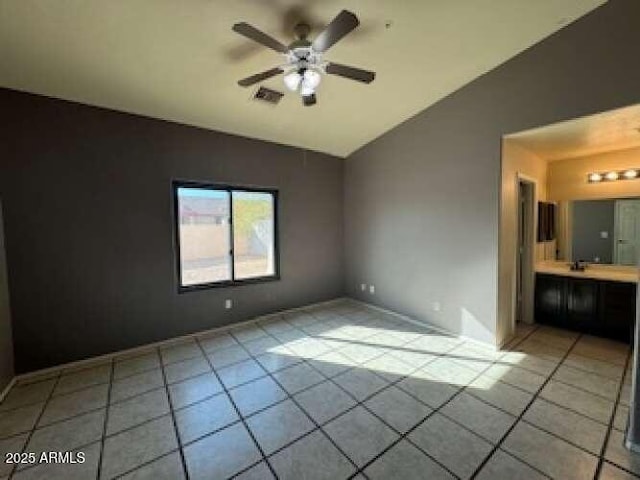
[601, 300]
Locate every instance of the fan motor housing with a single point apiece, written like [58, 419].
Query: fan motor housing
[302, 30]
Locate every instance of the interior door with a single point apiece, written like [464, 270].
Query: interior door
[627, 227]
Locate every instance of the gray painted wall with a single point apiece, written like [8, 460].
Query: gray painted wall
[89, 227]
[422, 201]
[6, 337]
[590, 217]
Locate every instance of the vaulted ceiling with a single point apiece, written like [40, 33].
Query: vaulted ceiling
[180, 61]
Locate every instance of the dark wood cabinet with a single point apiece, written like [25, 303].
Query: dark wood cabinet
[551, 299]
[582, 300]
[603, 308]
[617, 303]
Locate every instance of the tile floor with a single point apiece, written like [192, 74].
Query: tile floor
[335, 392]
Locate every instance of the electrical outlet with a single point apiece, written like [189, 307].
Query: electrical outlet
[228, 303]
[363, 287]
[372, 289]
[437, 307]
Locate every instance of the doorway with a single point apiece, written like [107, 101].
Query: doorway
[627, 232]
[524, 252]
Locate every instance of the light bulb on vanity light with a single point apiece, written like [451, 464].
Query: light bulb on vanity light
[595, 177]
[629, 174]
[612, 176]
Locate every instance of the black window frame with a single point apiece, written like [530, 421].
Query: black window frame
[175, 185]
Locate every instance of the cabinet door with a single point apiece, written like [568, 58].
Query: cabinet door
[551, 299]
[582, 305]
[617, 309]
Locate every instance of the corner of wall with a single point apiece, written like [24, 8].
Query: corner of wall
[7, 368]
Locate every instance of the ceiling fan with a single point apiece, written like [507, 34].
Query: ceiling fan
[304, 65]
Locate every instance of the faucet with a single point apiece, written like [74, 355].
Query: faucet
[578, 266]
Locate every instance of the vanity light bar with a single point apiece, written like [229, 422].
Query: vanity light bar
[612, 176]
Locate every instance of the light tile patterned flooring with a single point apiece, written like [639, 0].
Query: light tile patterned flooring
[339, 391]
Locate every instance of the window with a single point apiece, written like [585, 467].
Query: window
[226, 235]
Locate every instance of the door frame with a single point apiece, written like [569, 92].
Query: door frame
[528, 270]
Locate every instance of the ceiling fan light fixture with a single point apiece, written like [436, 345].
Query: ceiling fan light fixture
[306, 90]
[304, 65]
[311, 78]
[292, 80]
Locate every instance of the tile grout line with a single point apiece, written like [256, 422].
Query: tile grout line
[536, 394]
[306, 388]
[173, 414]
[256, 357]
[405, 436]
[317, 426]
[601, 457]
[149, 462]
[393, 383]
[524, 411]
[360, 365]
[238, 343]
[599, 397]
[433, 411]
[237, 410]
[178, 409]
[401, 436]
[530, 423]
[497, 361]
[104, 423]
[35, 424]
[361, 403]
[311, 386]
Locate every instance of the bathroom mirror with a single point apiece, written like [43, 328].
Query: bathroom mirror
[599, 231]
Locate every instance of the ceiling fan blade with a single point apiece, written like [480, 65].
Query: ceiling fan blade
[262, 38]
[344, 23]
[258, 77]
[353, 73]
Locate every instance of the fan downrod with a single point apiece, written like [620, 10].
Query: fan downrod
[302, 30]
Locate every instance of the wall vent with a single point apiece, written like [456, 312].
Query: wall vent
[267, 95]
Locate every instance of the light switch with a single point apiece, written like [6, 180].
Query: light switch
[604, 234]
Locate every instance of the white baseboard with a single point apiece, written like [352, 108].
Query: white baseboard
[424, 324]
[148, 346]
[6, 389]
[141, 348]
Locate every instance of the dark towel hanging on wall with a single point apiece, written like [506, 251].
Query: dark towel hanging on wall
[546, 221]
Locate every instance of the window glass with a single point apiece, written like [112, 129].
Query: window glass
[205, 241]
[253, 234]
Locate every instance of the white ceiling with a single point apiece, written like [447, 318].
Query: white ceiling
[179, 60]
[604, 132]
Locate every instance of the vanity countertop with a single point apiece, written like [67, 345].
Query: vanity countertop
[614, 273]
